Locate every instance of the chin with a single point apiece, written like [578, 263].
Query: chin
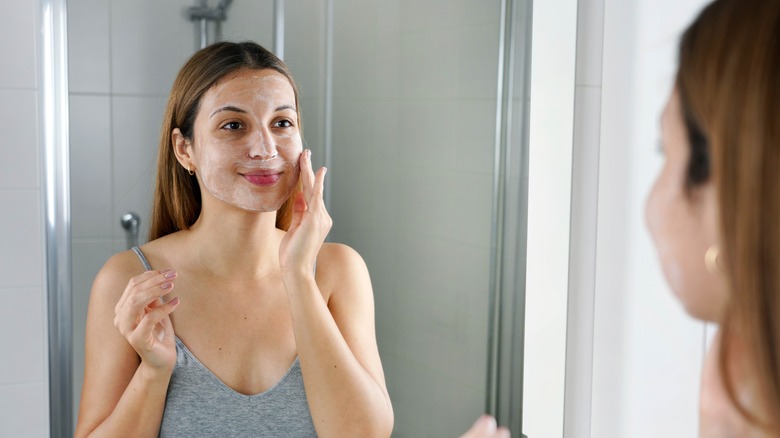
[258, 207]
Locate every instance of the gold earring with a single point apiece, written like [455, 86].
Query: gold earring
[189, 171]
[711, 259]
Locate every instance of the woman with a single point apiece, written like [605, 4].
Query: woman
[235, 319]
[713, 212]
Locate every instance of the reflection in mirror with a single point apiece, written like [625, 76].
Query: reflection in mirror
[409, 105]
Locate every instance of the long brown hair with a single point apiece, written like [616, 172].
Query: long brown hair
[177, 197]
[729, 85]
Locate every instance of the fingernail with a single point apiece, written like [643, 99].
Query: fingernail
[169, 273]
[174, 301]
[166, 285]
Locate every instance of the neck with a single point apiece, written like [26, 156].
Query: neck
[235, 243]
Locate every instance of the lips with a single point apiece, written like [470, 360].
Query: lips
[263, 178]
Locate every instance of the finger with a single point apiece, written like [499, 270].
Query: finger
[132, 284]
[142, 291]
[319, 183]
[307, 175]
[153, 288]
[129, 317]
[147, 324]
[143, 283]
[160, 300]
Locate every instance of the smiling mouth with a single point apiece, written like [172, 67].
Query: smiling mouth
[263, 179]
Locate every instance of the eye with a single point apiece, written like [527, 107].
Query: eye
[232, 126]
[284, 123]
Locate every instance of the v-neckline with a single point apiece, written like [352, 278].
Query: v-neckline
[296, 363]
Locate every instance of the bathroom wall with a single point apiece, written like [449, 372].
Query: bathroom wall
[414, 98]
[24, 392]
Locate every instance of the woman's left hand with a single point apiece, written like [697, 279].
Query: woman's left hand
[310, 222]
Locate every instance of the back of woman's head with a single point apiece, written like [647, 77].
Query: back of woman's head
[177, 198]
[729, 86]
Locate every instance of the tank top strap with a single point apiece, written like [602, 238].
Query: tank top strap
[142, 257]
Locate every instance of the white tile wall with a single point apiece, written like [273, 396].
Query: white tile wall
[477, 60]
[21, 256]
[23, 345]
[89, 41]
[91, 166]
[17, 44]
[150, 40]
[18, 115]
[414, 127]
[473, 125]
[429, 67]
[251, 20]
[24, 403]
[136, 125]
[305, 56]
[24, 410]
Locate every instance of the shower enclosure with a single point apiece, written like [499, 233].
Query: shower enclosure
[420, 111]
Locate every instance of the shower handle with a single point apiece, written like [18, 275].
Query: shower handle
[131, 222]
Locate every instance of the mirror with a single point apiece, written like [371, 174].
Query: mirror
[420, 111]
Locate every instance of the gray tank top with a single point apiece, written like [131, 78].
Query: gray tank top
[199, 404]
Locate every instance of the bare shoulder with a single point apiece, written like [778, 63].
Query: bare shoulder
[339, 255]
[341, 268]
[338, 259]
[112, 278]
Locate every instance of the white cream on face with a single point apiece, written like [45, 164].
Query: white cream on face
[247, 142]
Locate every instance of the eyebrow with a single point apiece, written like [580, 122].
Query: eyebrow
[228, 108]
[284, 107]
[239, 110]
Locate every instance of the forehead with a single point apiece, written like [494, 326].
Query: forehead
[251, 86]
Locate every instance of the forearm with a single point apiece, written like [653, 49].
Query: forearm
[345, 400]
[140, 409]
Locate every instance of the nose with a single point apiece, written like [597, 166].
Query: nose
[262, 146]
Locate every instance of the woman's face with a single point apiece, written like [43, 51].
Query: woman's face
[246, 144]
[683, 223]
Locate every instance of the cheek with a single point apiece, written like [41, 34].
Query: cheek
[214, 165]
[654, 212]
[290, 144]
[660, 210]
[290, 149]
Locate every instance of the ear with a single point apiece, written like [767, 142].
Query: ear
[182, 147]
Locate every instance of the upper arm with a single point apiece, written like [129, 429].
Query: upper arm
[109, 360]
[351, 303]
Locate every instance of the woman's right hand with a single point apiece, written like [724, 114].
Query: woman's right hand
[142, 316]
